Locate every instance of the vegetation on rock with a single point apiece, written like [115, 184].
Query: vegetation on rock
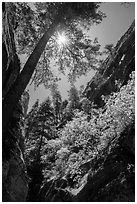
[88, 138]
[80, 149]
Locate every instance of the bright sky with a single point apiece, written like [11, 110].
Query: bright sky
[118, 20]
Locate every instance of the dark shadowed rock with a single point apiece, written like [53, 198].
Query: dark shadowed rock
[55, 191]
[114, 178]
[14, 181]
[115, 70]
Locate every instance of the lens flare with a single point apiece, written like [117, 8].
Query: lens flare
[62, 39]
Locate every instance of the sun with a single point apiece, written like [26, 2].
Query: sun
[62, 39]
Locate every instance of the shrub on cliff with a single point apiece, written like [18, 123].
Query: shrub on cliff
[82, 140]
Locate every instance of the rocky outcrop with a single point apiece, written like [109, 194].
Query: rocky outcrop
[55, 190]
[114, 175]
[14, 177]
[14, 181]
[115, 70]
[113, 179]
[110, 177]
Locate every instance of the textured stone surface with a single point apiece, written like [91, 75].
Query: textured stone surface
[115, 68]
[14, 178]
[114, 181]
[14, 181]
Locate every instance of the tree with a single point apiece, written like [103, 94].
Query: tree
[40, 129]
[85, 105]
[76, 53]
[86, 13]
[57, 103]
[73, 99]
[39, 121]
[109, 50]
[81, 90]
[68, 107]
[29, 119]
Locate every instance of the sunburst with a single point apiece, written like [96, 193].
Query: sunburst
[62, 39]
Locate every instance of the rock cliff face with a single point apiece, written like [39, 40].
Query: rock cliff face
[113, 181]
[115, 70]
[14, 181]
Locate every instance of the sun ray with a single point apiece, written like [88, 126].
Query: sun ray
[62, 39]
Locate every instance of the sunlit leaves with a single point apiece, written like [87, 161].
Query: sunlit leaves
[76, 54]
[120, 110]
[82, 139]
[85, 138]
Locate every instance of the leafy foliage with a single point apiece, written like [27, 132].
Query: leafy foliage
[89, 137]
[73, 99]
[57, 103]
[78, 56]
[120, 109]
[82, 140]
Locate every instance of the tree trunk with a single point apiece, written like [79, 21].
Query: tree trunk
[23, 79]
[39, 149]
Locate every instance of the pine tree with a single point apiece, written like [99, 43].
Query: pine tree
[40, 128]
[30, 119]
[57, 103]
[73, 99]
